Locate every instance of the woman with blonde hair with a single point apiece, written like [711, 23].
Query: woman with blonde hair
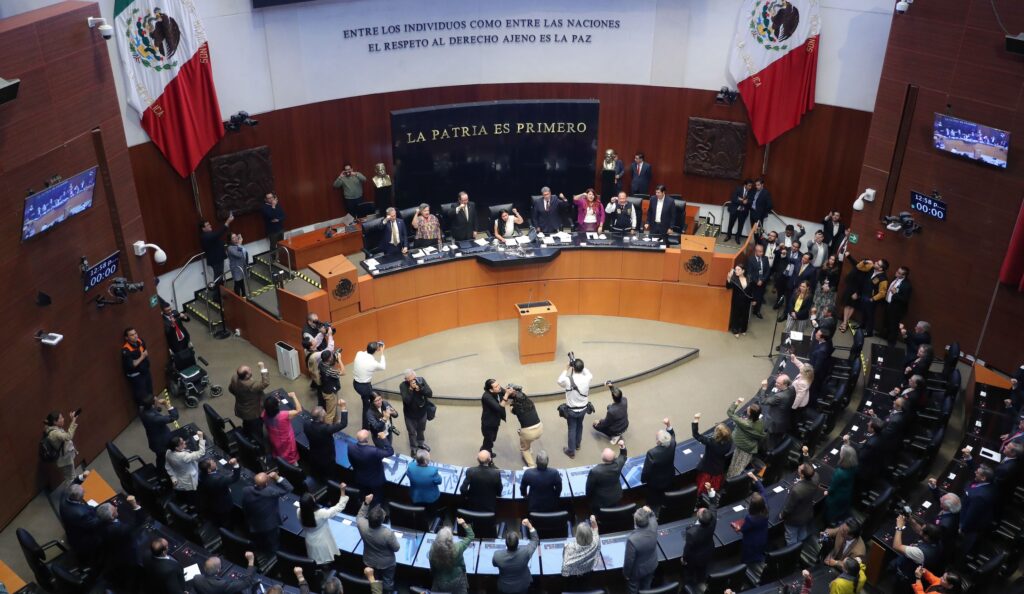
[711, 468]
[802, 384]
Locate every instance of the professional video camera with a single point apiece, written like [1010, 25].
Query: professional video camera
[120, 287]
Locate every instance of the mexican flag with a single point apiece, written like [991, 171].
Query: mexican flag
[168, 76]
[774, 62]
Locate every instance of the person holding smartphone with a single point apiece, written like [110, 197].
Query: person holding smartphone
[59, 440]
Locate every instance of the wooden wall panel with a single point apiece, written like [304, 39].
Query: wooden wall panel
[394, 288]
[954, 263]
[640, 300]
[437, 313]
[810, 170]
[478, 305]
[600, 264]
[564, 294]
[642, 266]
[354, 333]
[66, 92]
[398, 323]
[599, 297]
[435, 279]
[511, 294]
[566, 265]
[691, 305]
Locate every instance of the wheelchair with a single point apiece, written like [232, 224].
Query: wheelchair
[187, 379]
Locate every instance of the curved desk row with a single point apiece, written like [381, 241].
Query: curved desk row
[680, 285]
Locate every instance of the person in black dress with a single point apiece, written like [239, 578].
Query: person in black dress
[852, 288]
[741, 300]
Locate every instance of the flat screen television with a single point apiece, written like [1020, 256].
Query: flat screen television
[970, 140]
[57, 203]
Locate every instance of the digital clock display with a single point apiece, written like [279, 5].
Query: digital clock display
[100, 272]
[928, 205]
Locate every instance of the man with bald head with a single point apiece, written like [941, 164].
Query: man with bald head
[210, 582]
[603, 486]
[248, 392]
[776, 405]
[367, 461]
[261, 508]
[482, 484]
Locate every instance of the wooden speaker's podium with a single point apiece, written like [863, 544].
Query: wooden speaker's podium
[538, 331]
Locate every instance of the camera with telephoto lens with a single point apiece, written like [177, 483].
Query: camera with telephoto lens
[327, 328]
[120, 287]
[514, 388]
[572, 357]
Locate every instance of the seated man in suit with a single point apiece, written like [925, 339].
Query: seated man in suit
[260, 504]
[463, 223]
[846, 543]
[482, 484]
[541, 486]
[700, 544]
[215, 491]
[321, 441]
[210, 581]
[604, 488]
[81, 525]
[544, 217]
[163, 574]
[641, 559]
[367, 462]
[394, 238]
[661, 211]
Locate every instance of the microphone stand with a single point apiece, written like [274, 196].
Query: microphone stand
[771, 345]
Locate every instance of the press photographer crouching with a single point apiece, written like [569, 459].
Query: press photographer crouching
[575, 380]
[530, 427]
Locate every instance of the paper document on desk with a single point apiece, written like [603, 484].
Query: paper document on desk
[548, 240]
[481, 242]
[371, 263]
[796, 336]
[991, 455]
[430, 250]
[417, 254]
[591, 235]
[191, 571]
[563, 237]
[523, 239]
[510, 241]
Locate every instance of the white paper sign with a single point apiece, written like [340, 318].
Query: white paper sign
[738, 508]
[481, 242]
[797, 336]
[191, 571]
[926, 504]
[834, 451]
[854, 428]
[952, 476]
[778, 489]
[878, 376]
[687, 451]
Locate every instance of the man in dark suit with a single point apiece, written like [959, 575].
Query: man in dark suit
[739, 209]
[155, 422]
[699, 546]
[161, 573]
[776, 407]
[482, 484]
[798, 511]
[541, 486]
[120, 557]
[760, 204]
[261, 507]
[834, 231]
[544, 216]
[493, 403]
[321, 441]
[820, 359]
[896, 425]
[977, 512]
[870, 452]
[210, 582]
[604, 488]
[758, 270]
[80, 524]
[661, 211]
[394, 238]
[641, 559]
[367, 462]
[805, 271]
[215, 491]
[642, 171]
[464, 223]
[659, 466]
[897, 300]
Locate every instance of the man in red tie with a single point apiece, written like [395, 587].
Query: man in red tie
[175, 331]
[641, 182]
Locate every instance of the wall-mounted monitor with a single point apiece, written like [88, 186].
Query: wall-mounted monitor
[57, 203]
[970, 140]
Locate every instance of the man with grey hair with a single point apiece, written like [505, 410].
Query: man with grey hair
[776, 406]
[641, 558]
[659, 466]
[948, 520]
[545, 216]
[699, 547]
[541, 486]
[80, 524]
[394, 239]
[417, 408]
[463, 221]
[118, 552]
[210, 581]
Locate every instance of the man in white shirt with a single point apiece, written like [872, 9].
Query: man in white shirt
[182, 465]
[363, 367]
[575, 380]
[818, 250]
[660, 212]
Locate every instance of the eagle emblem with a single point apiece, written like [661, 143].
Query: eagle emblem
[344, 289]
[772, 22]
[153, 38]
[539, 326]
[696, 266]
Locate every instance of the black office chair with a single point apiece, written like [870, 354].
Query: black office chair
[485, 525]
[776, 461]
[235, 545]
[225, 440]
[373, 230]
[123, 468]
[284, 570]
[735, 488]
[406, 214]
[36, 557]
[679, 220]
[71, 583]
[984, 568]
[355, 499]
[777, 564]
[734, 578]
[873, 505]
[353, 584]
[669, 588]
[152, 499]
[552, 524]
[616, 519]
[419, 590]
[193, 528]
[841, 366]
[250, 453]
[678, 504]
[302, 482]
[809, 430]
[493, 212]
[412, 516]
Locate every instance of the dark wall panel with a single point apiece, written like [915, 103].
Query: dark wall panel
[956, 262]
[811, 170]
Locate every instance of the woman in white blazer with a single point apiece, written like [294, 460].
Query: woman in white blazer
[320, 544]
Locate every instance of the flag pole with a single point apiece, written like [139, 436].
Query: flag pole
[764, 162]
[195, 194]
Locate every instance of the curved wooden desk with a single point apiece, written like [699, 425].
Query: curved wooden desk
[667, 285]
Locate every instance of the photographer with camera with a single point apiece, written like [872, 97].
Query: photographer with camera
[363, 366]
[417, 408]
[616, 419]
[330, 369]
[378, 418]
[317, 335]
[530, 427]
[135, 362]
[493, 402]
[575, 380]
